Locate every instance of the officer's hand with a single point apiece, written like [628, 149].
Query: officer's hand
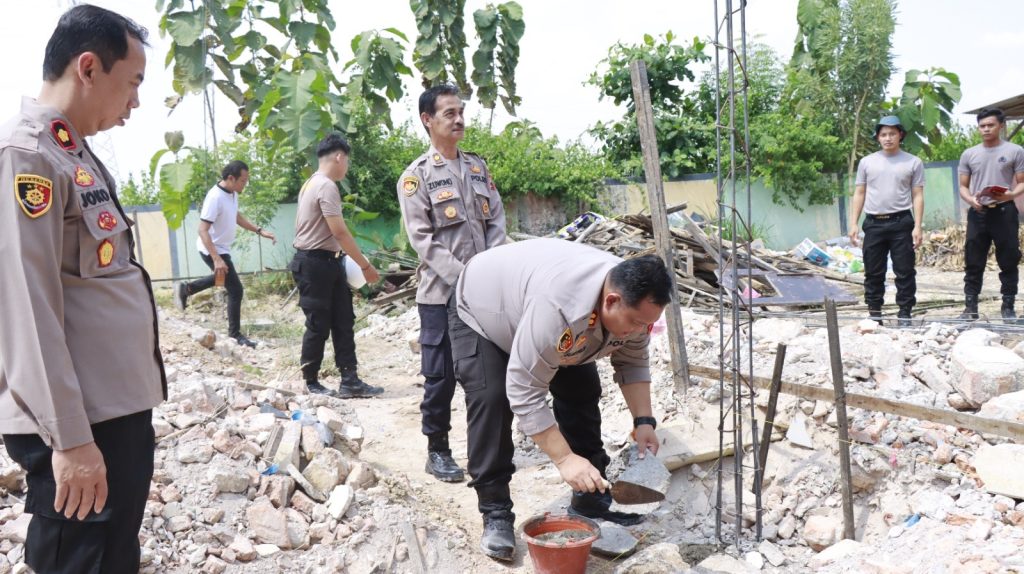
[917, 235]
[976, 205]
[854, 232]
[81, 478]
[269, 235]
[371, 275]
[580, 474]
[646, 439]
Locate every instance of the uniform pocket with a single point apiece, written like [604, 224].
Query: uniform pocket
[448, 208]
[432, 352]
[484, 208]
[103, 247]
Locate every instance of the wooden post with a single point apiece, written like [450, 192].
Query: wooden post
[832, 325]
[773, 401]
[659, 219]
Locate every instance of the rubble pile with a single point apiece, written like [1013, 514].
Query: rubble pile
[254, 475]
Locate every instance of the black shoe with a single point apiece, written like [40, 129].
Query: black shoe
[595, 505]
[875, 315]
[244, 341]
[443, 466]
[358, 390]
[499, 539]
[1007, 312]
[180, 295]
[970, 312]
[903, 318]
[315, 388]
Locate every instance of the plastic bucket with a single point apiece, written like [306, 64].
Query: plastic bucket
[555, 554]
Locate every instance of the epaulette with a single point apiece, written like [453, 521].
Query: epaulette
[25, 135]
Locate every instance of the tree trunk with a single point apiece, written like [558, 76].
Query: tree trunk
[853, 150]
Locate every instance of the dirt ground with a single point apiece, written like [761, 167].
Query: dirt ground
[447, 513]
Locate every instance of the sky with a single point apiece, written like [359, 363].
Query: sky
[564, 42]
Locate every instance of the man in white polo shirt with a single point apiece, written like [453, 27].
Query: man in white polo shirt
[217, 222]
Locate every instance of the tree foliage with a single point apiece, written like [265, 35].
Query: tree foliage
[521, 160]
[683, 139]
[925, 107]
[441, 42]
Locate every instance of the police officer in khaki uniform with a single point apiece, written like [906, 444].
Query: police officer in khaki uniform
[531, 318]
[80, 364]
[452, 211]
[322, 241]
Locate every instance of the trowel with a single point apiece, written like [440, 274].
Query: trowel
[645, 480]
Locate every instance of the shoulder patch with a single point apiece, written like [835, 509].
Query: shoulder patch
[410, 184]
[62, 135]
[565, 341]
[592, 320]
[34, 194]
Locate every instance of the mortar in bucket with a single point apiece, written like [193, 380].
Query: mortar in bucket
[560, 543]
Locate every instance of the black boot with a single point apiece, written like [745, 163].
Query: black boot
[596, 505]
[970, 308]
[498, 539]
[875, 314]
[903, 318]
[352, 387]
[439, 459]
[315, 388]
[1007, 312]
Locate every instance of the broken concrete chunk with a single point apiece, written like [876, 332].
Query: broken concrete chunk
[1001, 467]
[313, 492]
[797, 432]
[339, 501]
[655, 559]
[330, 417]
[820, 531]
[615, 541]
[277, 488]
[361, 476]
[837, 552]
[289, 449]
[327, 470]
[227, 480]
[268, 525]
[1008, 407]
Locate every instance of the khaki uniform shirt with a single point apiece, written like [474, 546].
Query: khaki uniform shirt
[78, 335]
[318, 198]
[537, 301]
[449, 217]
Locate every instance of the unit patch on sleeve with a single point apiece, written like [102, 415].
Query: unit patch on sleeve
[105, 253]
[34, 194]
[83, 177]
[565, 341]
[62, 134]
[410, 184]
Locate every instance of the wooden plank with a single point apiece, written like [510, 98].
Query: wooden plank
[659, 218]
[1008, 429]
[836, 357]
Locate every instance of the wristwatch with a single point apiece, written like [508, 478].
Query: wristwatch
[645, 421]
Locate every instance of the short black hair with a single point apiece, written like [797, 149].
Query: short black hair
[642, 278]
[234, 169]
[331, 143]
[428, 99]
[992, 113]
[87, 28]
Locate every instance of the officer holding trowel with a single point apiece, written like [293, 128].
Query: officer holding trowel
[531, 318]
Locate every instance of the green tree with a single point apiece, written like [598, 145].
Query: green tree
[925, 107]
[685, 142]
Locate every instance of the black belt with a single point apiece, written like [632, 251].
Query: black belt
[320, 253]
[889, 215]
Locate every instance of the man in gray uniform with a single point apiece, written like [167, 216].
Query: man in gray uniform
[889, 183]
[452, 211]
[80, 364]
[533, 317]
[322, 241]
[991, 177]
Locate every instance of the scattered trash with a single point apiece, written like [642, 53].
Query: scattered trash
[911, 520]
[811, 252]
[579, 225]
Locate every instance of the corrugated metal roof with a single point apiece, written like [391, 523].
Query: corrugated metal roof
[1012, 107]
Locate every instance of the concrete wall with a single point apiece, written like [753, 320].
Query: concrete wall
[783, 226]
